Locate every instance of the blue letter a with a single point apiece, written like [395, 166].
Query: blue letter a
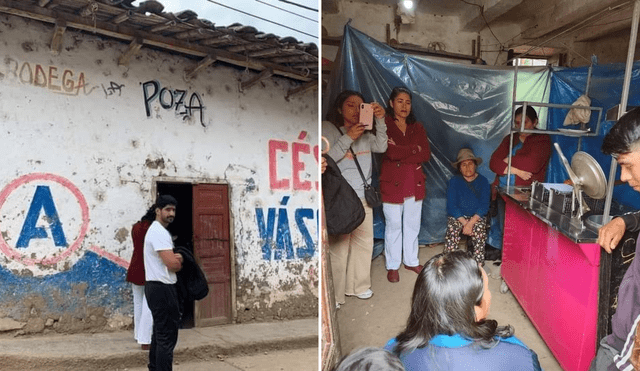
[42, 200]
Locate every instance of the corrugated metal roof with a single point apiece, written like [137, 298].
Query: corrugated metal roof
[181, 32]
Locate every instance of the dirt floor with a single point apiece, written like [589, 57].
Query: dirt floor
[374, 321]
[305, 359]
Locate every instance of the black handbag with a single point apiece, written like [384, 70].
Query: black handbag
[343, 209]
[371, 194]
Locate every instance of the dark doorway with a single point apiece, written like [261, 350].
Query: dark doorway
[182, 229]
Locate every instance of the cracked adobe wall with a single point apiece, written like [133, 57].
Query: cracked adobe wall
[83, 140]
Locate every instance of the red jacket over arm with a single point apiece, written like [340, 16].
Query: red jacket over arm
[135, 273]
[532, 157]
[401, 175]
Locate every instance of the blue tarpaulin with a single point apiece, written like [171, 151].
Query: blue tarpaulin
[465, 106]
[605, 91]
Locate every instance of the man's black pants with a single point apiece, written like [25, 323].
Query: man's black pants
[165, 309]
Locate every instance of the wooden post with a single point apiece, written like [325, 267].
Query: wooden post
[263, 75]
[56, 39]
[133, 49]
[473, 48]
[302, 88]
[207, 61]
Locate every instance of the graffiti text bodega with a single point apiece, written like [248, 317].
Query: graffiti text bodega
[169, 99]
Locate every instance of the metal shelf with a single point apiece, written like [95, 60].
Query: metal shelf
[524, 104]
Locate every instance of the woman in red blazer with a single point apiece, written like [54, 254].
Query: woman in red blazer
[402, 184]
[529, 159]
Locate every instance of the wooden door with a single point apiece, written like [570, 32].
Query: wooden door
[212, 251]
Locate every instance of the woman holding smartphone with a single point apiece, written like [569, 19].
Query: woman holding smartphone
[402, 184]
[350, 254]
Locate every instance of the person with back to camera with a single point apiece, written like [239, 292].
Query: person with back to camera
[529, 159]
[620, 350]
[402, 184]
[370, 359]
[467, 205]
[351, 253]
[448, 327]
[142, 319]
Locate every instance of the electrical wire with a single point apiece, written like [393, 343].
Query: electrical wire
[483, 18]
[608, 23]
[570, 29]
[300, 5]
[288, 11]
[502, 45]
[264, 19]
[573, 50]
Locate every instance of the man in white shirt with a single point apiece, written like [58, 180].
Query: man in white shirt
[160, 264]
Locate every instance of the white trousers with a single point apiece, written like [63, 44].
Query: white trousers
[402, 225]
[142, 318]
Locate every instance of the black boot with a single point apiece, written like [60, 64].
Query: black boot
[491, 253]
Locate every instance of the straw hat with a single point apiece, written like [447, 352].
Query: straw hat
[466, 154]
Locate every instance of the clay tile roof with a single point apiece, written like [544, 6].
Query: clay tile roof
[181, 32]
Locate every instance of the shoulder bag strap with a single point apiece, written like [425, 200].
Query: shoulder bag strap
[355, 158]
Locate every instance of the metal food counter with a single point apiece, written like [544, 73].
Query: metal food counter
[553, 267]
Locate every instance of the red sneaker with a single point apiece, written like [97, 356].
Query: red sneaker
[416, 269]
[393, 276]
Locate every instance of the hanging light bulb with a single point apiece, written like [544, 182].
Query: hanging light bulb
[406, 11]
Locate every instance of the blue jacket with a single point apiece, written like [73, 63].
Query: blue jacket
[468, 198]
[449, 353]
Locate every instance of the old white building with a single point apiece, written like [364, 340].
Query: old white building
[102, 108]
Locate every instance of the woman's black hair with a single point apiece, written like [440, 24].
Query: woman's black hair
[370, 359]
[394, 93]
[150, 215]
[443, 303]
[531, 113]
[335, 115]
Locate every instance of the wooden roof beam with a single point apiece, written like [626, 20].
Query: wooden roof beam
[162, 26]
[189, 34]
[302, 89]
[216, 40]
[127, 33]
[248, 47]
[254, 80]
[58, 33]
[204, 63]
[133, 49]
[90, 10]
[271, 52]
[295, 59]
[122, 17]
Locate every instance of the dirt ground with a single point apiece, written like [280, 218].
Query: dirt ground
[305, 359]
[374, 321]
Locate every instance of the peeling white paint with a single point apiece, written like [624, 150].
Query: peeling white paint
[81, 117]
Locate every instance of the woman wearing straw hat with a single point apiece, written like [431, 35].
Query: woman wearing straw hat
[467, 205]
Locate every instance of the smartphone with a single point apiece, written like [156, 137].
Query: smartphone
[366, 115]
